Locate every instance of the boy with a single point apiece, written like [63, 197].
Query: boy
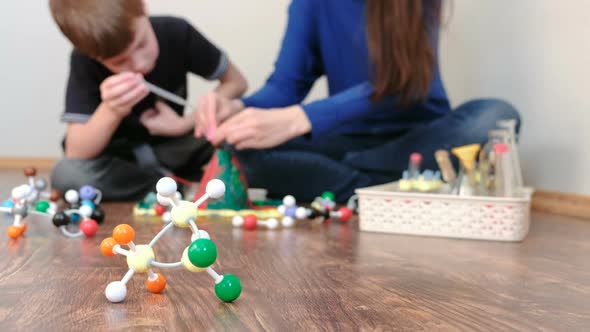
[120, 138]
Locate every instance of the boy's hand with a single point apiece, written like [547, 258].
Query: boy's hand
[213, 110]
[122, 91]
[164, 121]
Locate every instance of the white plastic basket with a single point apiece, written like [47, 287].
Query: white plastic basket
[382, 209]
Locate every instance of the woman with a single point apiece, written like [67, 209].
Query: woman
[386, 101]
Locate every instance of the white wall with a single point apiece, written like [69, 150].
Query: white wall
[536, 54]
[531, 52]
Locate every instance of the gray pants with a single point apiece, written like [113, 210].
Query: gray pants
[121, 179]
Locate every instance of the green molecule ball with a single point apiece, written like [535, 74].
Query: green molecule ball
[329, 196]
[42, 206]
[202, 253]
[229, 288]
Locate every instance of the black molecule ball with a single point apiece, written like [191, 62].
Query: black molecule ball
[97, 215]
[61, 219]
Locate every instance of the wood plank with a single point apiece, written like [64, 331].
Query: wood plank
[565, 204]
[22, 162]
[326, 277]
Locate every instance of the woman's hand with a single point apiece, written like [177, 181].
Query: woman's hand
[255, 128]
[164, 121]
[213, 109]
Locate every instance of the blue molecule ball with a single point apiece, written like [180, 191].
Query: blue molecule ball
[290, 211]
[87, 193]
[75, 217]
[8, 203]
[89, 203]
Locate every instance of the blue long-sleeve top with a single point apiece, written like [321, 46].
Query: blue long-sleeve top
[328, 37]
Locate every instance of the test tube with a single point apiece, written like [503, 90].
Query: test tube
[444, 164]
[510, 127]
[466, 155]
[414, 165]
[504, 177]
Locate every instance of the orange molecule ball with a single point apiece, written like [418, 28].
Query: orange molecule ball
[156, 286]
[107, 245]
[14, 231]
[123, 234]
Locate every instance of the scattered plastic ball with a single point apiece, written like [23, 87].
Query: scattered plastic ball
[87, 193]
[97, 215]
[156, 286]
[250, 222]
[89, 227]
[60, 219]
[116, 291]
[159, 209]
[229, 288]
[123, 234]
[107, 245]
[42, 206]
[202, 253]
[329, 196]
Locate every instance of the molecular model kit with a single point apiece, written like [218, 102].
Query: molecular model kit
[83, 210]
[321, 210]
[33, 198]
[197, 257]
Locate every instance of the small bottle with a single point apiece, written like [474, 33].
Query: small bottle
[487, 160]
[414, 165]
[504, 176]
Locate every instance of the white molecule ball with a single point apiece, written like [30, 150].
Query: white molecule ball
[167, 217]
[166, 187]
[215, 188]
[301, 213]
[178, 195]
[164, 201]
[288, 222]
[282, 209]
[116, 291]
[85, 211]
[289, 201]
[272, 223]
[237, 221]
[203, 235]
[21, 192]
[72, 196]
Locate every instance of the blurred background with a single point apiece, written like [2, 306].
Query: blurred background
[533, 53]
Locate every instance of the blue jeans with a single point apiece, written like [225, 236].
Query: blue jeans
[341, 163]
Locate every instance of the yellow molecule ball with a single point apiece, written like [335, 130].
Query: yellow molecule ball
[141, 259]
[187, 263]
[182, 213]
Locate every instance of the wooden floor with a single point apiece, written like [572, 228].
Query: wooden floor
[309, 278]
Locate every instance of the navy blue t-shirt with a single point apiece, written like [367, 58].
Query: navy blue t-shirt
[182, 50]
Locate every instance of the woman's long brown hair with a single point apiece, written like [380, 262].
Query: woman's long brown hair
[402, 57]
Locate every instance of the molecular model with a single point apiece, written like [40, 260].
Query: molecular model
[322, 209]
[27, 198]
[197, 257]
[83, 212]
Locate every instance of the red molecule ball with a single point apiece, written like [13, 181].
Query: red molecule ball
[250, 222]
[345, 214]
[89, 227]
[160, 209]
